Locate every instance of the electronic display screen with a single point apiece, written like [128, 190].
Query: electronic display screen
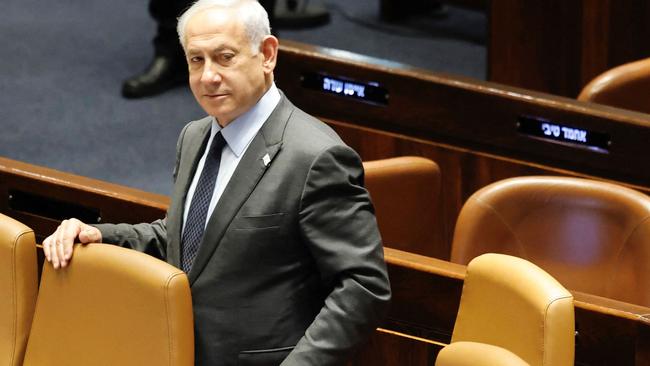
[559, 133]
[369, 92]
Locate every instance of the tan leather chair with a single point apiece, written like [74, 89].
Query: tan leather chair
[592, 236]
[112, 306]
[18, 288]
[405, 192]
[477, 354]
[519, 312]
[626, 86]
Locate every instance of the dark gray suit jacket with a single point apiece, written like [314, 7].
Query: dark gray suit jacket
[291, 264]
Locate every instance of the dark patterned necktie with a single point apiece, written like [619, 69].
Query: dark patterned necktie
[197, 215]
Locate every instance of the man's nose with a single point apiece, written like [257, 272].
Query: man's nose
[210, 73]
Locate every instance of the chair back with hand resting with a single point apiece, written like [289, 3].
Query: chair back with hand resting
[405, 192]
[112, 306]
[511, 313]
[18, 288]
[592, 236]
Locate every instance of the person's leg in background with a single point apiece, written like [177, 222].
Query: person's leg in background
[168, 68]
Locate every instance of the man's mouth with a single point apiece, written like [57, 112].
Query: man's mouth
[215, 95]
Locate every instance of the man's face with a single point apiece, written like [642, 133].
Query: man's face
[226, 77]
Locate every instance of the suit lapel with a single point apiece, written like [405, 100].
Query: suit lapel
[248, 173]
[193, 147]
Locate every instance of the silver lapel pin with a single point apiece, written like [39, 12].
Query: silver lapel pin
[266, 160]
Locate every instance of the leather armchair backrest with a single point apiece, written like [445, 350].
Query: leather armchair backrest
[511, 303]
[405, 192]
[626, 86]
[592, 236]
[18, 288]
[112, 306]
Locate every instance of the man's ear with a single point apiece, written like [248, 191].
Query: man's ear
[270, 53]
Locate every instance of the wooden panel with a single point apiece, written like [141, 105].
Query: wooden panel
[426, 295]
[629, 30]
[386, 347]
[595, 47]
[536, 45]
[558, 46]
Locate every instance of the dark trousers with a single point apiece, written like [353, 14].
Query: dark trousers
[166, 13]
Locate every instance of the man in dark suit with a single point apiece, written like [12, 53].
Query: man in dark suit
[283, 254]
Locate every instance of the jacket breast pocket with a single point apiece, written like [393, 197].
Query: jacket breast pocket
[254, 222]
[264, 357]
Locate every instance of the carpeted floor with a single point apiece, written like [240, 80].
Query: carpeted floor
[61, 68]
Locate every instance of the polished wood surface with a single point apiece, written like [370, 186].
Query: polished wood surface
[387, 347]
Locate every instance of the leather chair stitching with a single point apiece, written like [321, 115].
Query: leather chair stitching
[14, 247]
[545, 354]
[169, 318]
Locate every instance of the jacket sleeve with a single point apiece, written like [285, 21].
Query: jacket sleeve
[338, 225]
[150, 238]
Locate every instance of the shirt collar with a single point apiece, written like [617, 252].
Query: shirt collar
[241, 131]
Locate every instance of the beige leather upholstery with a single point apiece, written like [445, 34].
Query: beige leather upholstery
[112, 306]
[18, 288]
[405, 192]
[592, 236]
[511, 303]
[477, 354]
[626, 86]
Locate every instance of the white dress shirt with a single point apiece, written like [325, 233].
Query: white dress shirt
[238, 135]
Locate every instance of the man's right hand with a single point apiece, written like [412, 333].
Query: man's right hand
[58, 246]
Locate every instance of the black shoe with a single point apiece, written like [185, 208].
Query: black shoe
[162, 74]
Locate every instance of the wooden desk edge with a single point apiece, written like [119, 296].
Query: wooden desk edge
[82, 183]
[582, 301]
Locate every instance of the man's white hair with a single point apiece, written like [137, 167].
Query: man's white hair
[253, 16]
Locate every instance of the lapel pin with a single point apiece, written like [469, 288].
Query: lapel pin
[266, 160]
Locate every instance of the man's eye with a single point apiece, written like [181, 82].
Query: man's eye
[196, 59]
[227, 57]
